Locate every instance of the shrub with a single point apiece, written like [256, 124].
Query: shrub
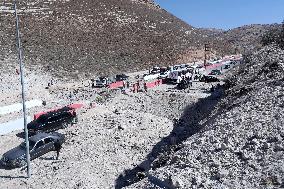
[99, 99]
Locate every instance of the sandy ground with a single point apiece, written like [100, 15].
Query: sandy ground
[115, 136]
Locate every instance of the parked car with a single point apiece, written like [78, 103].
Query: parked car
[121, 77]
[174, 74]
[227, 67]
[184, 84]
[208, 79]
[155, 70]
[39, 145]
[102, 82]
[52, 121]
[215, 72]
[164, 72]
[148, 77]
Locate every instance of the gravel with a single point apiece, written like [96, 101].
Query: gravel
[114, 137]
[242, 146]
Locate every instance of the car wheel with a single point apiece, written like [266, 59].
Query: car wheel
[74, 120]
[64, 125]
[21, 162]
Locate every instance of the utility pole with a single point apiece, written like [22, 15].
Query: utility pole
[23, 90]
[206, 53]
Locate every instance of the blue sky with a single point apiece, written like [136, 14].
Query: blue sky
[225, 14]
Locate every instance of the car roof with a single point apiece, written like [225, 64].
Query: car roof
[58, 111]
[39, 136]
[102, 77]
[121, 75]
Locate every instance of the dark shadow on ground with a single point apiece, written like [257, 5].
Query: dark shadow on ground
[186, 126]
[13, 177]
[48, 158]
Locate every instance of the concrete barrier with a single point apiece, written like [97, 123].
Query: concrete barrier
[19, 106]
[214, 66]
[14, 125]
[154, 83]
[116, 85]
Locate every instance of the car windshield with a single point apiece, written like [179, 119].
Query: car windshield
[31, 144]
[163, 70]
[155, 70]
[176, 67]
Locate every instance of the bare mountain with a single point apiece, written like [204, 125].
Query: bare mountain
[96, 36]
[247, 38]
[71, 37]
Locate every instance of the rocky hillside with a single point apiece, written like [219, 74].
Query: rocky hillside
[244, 39]
[247, 38]
[237, 144]
[95, 36]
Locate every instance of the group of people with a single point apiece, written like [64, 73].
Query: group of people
[184, 80]
[138, 85]
[187, 76]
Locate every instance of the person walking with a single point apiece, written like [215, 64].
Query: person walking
[124, 84]
[58, 147]
[145, 87]
[179, 79]
[138, 86]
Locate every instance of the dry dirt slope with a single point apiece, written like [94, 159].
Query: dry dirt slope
[241, 144]
[108, 140]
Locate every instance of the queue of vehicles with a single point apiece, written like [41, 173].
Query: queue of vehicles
[172, 74]
[208, 73]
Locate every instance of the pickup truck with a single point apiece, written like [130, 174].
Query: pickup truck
[102, 82]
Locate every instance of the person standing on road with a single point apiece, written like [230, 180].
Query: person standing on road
[124, 84]
[145, 87]
[179, 78]
[187, 75]
[58, 147]
[137, 86]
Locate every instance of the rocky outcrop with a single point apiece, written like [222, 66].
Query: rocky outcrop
[241, 143]
[247, 38]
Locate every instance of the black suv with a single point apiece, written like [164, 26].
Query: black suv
[208, 79]
[121, 77]
[40, 144]
[52, 121]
